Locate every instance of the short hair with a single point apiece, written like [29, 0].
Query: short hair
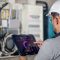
[55, 14]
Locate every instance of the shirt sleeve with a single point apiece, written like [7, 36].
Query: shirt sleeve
[45, 52]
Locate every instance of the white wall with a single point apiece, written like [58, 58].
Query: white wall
[26, 1]
[21, 1]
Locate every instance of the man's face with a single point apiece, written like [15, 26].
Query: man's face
[56, 22]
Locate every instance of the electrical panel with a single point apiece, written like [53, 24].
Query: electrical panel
[15, 18]
[32, 21]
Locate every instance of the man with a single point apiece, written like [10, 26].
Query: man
[50, 50]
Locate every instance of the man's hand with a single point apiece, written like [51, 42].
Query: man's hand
[39, 43]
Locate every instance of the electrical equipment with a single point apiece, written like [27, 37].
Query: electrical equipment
[12, 23]
[4, 13]
[8, 45]
[26, 19]
[15, 18]
[32, 21]
[45, 18]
